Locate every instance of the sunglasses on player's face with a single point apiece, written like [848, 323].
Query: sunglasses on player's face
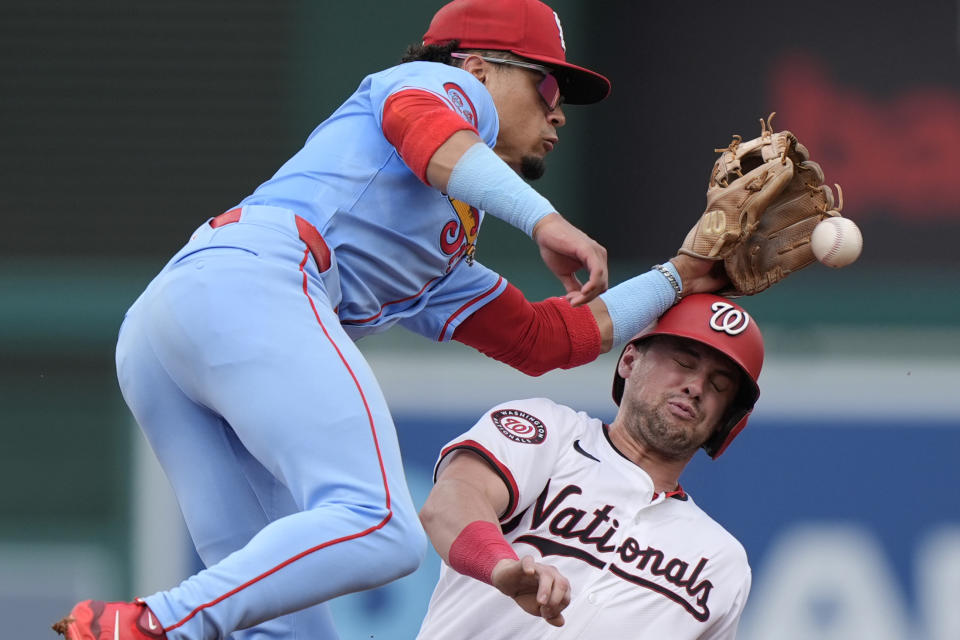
[548, 87]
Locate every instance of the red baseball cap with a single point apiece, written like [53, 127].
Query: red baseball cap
[527, 28]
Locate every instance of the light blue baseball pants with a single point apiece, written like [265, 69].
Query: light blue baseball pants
[272, 430]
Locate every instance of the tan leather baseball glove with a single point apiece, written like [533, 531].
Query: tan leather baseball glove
[764, 198]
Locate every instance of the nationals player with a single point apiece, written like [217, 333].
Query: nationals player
[238, 360]
[612, 545]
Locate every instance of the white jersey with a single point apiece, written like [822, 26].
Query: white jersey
[641, 565]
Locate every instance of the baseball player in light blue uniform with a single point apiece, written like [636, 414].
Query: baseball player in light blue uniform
[397, 240]
[238, 360]
[309, 471]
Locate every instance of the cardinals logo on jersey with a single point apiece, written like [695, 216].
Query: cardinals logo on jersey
[459, 237]
[461, 102]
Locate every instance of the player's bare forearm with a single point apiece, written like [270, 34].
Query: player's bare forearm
[700, 275]
[466, 491]
[449, 508]
[599, 310]
[446, 156]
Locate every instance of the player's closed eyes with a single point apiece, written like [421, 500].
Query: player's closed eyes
[719, 387]
[718, 382]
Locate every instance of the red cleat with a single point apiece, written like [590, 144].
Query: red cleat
[98, 620]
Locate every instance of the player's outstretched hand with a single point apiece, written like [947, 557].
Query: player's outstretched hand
[565, 250]
[539, 589]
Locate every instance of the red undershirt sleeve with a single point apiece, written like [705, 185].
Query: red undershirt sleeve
[416, 123]
[533, 337]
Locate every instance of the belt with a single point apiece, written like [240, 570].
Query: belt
[307, 232]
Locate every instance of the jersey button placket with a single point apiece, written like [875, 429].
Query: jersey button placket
[655, 501]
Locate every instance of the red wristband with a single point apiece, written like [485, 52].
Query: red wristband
[478, 549]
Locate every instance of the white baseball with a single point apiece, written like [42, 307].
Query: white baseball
[836, 242]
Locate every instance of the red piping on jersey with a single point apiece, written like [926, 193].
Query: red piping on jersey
[499, 467]
[383, 474]
[456, 313]
[677, 493]
[386, 304]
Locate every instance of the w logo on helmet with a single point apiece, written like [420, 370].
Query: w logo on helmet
[728, 318]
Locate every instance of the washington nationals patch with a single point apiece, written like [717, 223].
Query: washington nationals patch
[519, 426]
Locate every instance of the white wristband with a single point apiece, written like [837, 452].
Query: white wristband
[481, 179]
[637, 302]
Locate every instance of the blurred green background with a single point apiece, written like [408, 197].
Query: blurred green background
[124, 125]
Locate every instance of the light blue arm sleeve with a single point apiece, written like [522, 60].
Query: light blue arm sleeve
[637, 302]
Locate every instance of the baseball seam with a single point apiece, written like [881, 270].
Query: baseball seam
[837, 236]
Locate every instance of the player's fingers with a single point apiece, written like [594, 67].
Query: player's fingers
[571, 283]
[599, 276]
[575, 298]
[558, 595]
[556, 620]
[582, 296]
[550, 610]
[597, 283]
[556, 602]
[544, 588]
[528, 565]
[553, 589]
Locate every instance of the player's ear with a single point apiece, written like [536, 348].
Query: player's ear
[631, 355]
[476, 66]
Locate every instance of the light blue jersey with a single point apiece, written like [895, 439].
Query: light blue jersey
[399, 243]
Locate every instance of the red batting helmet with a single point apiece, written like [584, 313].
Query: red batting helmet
[719, 323]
